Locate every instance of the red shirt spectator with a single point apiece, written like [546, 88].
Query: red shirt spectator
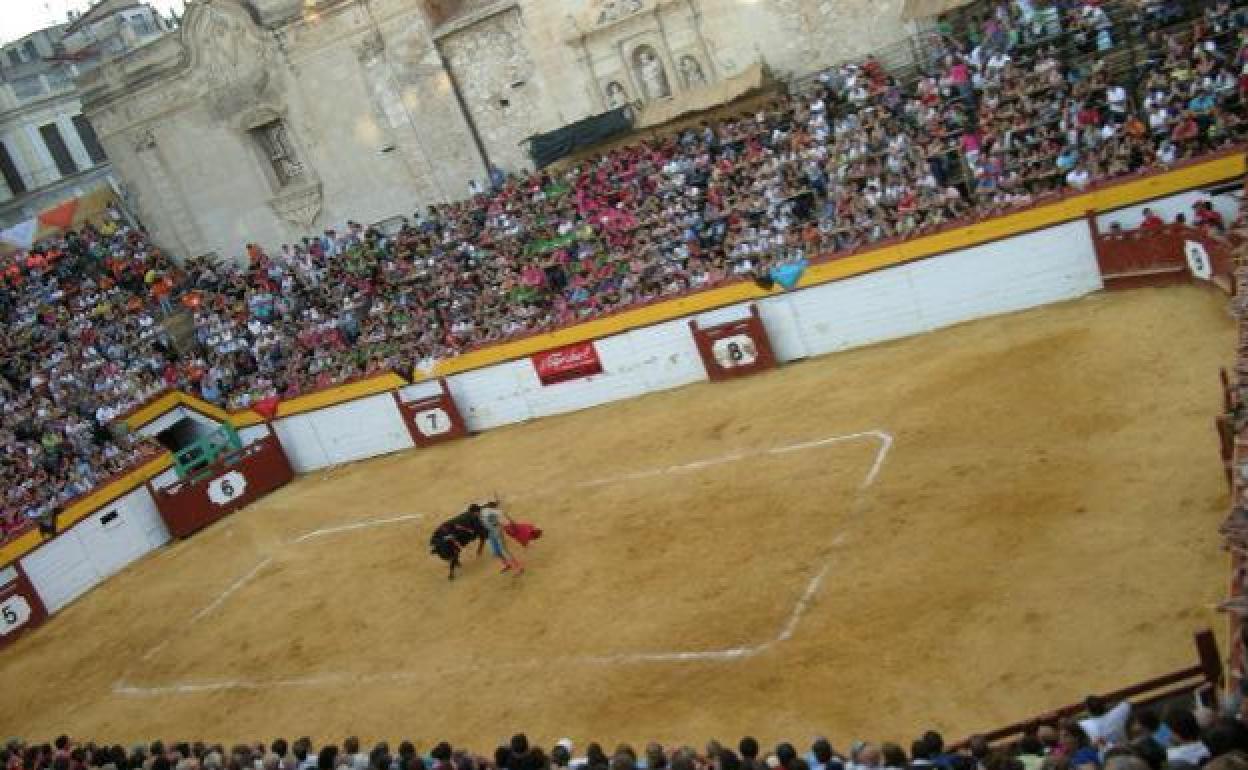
[1207, 216]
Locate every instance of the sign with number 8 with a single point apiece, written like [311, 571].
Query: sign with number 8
[737, 350]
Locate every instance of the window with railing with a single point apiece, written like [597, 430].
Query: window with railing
[276, 146]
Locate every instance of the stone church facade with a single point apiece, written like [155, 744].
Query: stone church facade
[264, 120]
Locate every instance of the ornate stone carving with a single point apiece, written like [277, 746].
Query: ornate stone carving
[257, 115]
[228, 101]
[610, 11]
[274, 12]
[143, 140]
[298, 205]
[369, 47]
[653, 49]
[226, 48]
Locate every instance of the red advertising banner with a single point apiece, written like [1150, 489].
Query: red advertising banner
[570, 362]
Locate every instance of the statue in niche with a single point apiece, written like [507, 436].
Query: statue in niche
[651, 74]
[691, 72]
[616, 95]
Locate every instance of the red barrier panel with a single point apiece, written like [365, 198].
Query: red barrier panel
[1226, 441]
[433, 419]
[1141, 257]
[233, 481]
[734, 349]
[1158, 255]
[21, 609]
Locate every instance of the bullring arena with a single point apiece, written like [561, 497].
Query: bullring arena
[1032, 497]
[854, 395]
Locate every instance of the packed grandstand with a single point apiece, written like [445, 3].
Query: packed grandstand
[1020, 104]
[1111, 736]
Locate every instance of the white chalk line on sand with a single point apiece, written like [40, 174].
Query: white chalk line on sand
[785, 633]
[266, 561]
[886, 443]
[357, 525]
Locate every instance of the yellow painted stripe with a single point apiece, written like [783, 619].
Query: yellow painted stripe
[153, 410]
[337, 395]
[84, 506]
[318, 400]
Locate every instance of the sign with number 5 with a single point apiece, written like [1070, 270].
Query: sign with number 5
[14, 613]
[228, 488]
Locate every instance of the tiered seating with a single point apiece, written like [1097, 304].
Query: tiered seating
[1025, 102]
[1113, 736]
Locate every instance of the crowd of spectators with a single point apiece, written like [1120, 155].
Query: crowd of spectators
[1027, 99]
[1106, 738]
[78, 346]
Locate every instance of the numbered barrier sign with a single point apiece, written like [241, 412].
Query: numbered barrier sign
[15, 612]
[734, 349]
[737, 350]
[224, 490]
[433, 422]
[433, 418]
[1198, 260]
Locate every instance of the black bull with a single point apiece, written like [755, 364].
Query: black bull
[452, 535]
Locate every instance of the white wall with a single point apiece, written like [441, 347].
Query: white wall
[419, 390]
[1226, 204]
[1021, 272]
[634, 363]
[95, 548]
[252, 434]
[340, 434]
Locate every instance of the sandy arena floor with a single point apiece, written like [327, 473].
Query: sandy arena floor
[962, 528]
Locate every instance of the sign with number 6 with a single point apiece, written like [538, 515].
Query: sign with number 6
[228, 488]
[14, 613]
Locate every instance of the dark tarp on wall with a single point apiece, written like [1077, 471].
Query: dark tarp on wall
[551, 146]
